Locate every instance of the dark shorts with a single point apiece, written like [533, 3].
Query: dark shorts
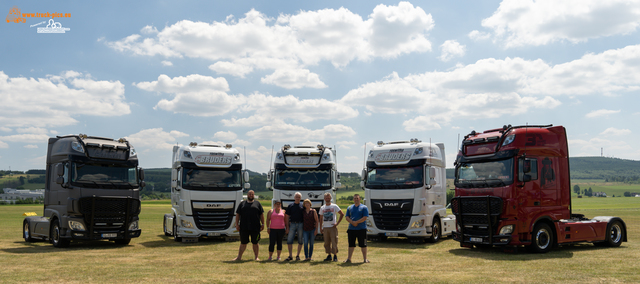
[360, 235]
[244, 237]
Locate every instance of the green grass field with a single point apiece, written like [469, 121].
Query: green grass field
[156, 258]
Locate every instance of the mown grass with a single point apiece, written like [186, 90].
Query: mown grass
[156, 258]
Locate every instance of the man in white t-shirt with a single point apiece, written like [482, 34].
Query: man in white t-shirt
[329, 226]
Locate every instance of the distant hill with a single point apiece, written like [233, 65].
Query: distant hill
[610, 169]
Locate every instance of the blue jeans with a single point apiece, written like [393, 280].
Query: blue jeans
[293, 228]
[309, 238]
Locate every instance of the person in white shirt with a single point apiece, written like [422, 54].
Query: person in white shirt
[329, 226]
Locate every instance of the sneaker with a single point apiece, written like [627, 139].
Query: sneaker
[335, 258]
[298, 258]
[328, 258]
[288, 259]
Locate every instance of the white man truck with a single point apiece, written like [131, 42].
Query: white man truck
[405, 189]
[206, 188]
[92, 192]
[312, 171]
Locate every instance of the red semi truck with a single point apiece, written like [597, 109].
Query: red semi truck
[513, 189]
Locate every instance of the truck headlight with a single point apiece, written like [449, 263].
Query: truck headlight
[418, 224]
[186, 224]
[133, 225]
[506, 230]
[76, 226]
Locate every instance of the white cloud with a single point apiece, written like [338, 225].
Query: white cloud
[235, 69]
[33, 130]
[190, 83]
[451, 49]
[3, 145]
[593, 146]
[601, 112]
[541, 22]
[612, 131]
[273, 110]
[26, 138]
[55, 100]
[292, 133]
[345, 144]
[294, 79]
[351, 158]
[257, 41]
[31, 146]
[5, 129]
[420, 123]
[155, 139]
[166, 63]
[477, 35]
[225, 135]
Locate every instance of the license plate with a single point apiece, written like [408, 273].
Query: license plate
[110, 235]
[391, 234]
[476, 240]
[213, 234]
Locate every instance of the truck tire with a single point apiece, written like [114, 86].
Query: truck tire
[26, 232]
[54, 235]
[175, 231]
[542, 239]
[164, 226]
[123, 242]
[436, 233]
[615, 235]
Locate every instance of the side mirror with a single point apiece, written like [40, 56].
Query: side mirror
[174, 184]
[174, 174]
[60, 170]
[526, 178]
[268, 186]
[143, 184]
[59, 180]
[337, 177]
[432, 172]
[269, 176]
[526, 166]
[362, 184]
[364, 174]
[338, 184]
[245, 176]
[141, 174]
[247, 185]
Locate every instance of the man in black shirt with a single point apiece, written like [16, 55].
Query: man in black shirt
[251, 217]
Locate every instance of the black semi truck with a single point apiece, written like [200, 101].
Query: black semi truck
[92, 192]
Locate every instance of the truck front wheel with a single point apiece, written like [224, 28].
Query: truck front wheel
[615, 233]
[435, 230]
[56, 240]
[26, 233]
[541, 239]
[175, 231]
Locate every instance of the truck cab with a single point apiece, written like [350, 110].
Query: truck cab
[92, 192]
[206, 188]
[310, 170]
[513, 189]
[405, 190]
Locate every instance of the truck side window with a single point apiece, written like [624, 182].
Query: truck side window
[532, 167]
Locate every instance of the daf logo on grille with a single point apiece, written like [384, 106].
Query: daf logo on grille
[216, 205]
[392, 204]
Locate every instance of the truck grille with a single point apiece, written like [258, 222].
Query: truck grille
[108, 212]
[393, 214]
[477, 215]
[213, 219]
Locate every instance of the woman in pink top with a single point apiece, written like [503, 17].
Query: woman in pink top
[275, 228]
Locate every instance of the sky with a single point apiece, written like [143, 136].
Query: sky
[345, 74]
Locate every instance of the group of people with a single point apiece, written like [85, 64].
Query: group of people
[301, 219]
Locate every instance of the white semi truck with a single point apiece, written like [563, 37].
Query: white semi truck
[405, 189]
[312, 171]
[206, 188]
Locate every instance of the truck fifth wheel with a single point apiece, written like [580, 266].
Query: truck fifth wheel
[405, 189]
[513, 189]
[206, 189]
[92, 192]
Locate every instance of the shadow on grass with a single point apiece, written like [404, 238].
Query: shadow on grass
[46, 247]
[497, 253]
[167, 241]
[401, 243]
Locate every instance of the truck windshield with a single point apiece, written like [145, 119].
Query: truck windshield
[103, 176]
[211, 179]
[395, 177]
[301, 178]
[484, 174]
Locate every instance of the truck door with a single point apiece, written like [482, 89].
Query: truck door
[529, 193]
[549, 186]
[175, 193]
